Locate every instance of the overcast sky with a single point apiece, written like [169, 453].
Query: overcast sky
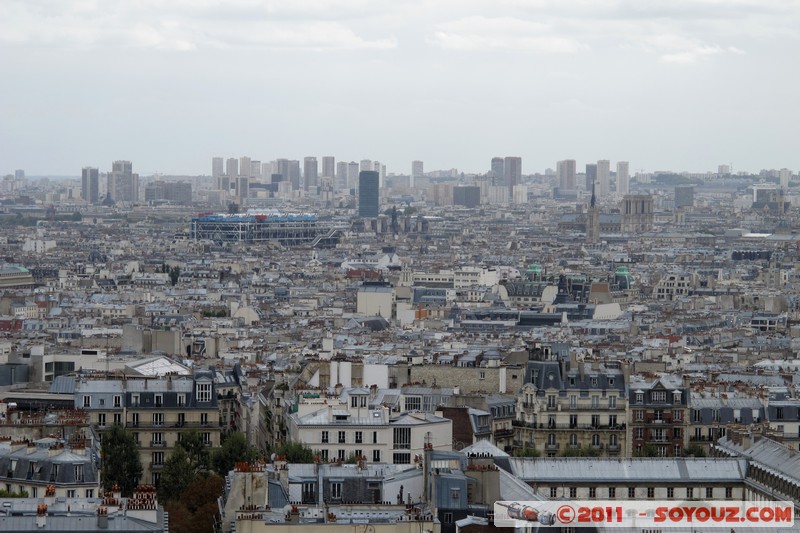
[167, 84]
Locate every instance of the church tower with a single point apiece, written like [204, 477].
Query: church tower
[593, 220]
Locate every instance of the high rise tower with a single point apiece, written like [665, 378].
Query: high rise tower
[512, 166]
[498, 173]
[603, 178]
[623, 178]
[368, 194]
[328, 166]
[416, 171]
[310, 175]
[591, 176]
[232, 167]
[217, 167]
[566, 170]
[122, 183]
[90, 185]
[245, 168]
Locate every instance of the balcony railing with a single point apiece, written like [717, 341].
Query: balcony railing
[158, 444]
[172, 425]
[577, 427]
[551, 447]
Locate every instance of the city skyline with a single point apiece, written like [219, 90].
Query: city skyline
[676, 85]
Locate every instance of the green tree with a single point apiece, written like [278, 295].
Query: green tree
[527, 452]
[197, 507]
[8, 494]
[174, 275]
[648, 450]
[234, 448]
[586, 451]
[296, 452]
[196, 449]
[694, 450]
[120, 464]
[175, 476]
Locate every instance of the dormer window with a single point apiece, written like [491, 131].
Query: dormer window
[204, 392]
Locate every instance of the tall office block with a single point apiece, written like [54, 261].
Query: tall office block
[217, 168]
[328, 166]
[512, 168]
[467, 195]
[566, 171]
[416, 171]
[19, 174]
[684, 196]
[341, 175]
[368, 194]
[310, 174]
[242, 190]
[255, 170]
[591, 176]
[232, 167]
[366, 164]
[352, 175]
[122, 183]
[282, 168]
[603, 178]
[785, 175]
[266, 171]
[90, 184]
[294, 174]
[381, 170]
[623, 177]
[498, 171]
[244, 166]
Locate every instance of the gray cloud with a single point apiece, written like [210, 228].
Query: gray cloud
[453, 82]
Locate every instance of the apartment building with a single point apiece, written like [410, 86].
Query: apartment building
[340, 430]
[659, 413]
[710, 417]
[48, 467]
[157, 411]
[572, 408]
[634, 479]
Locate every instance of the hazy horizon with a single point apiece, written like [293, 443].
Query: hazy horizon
[682, 85]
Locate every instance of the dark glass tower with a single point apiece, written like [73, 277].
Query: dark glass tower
[368, 194]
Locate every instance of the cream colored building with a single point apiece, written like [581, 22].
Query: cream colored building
[339, 430]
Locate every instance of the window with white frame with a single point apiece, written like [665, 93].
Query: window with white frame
[204, 392]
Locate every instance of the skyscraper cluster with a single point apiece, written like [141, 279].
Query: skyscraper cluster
[122, 184]
[506, 172]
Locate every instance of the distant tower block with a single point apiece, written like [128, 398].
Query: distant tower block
[637, 213]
